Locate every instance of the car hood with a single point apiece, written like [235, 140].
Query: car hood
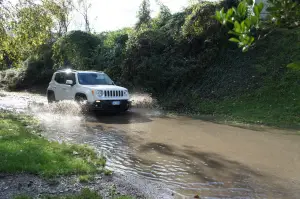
[104, 87]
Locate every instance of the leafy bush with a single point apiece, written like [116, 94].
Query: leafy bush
[200, 20]
[76, 49]
[36, 70]
[110, 53]
[285, 13]
[241, 22]
[8, 78]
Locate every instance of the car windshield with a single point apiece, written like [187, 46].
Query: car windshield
[94, 79]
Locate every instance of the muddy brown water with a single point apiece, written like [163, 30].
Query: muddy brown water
[188, 157]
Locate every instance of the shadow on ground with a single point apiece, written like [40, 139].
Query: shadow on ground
[129, 117]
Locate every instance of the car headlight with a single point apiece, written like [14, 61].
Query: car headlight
[99, 93]
[125, 93]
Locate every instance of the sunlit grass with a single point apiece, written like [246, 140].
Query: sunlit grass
[23, 150]
[85, 178]
[84, 194]
[276, 105]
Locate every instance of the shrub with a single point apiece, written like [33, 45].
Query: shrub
[76, 49]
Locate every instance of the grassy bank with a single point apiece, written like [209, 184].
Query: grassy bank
[253, 87]
[23, 150]
[84, 194]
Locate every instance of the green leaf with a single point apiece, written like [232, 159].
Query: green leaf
[294, 65]
[229, 14]
[260, 6]
[256, 11]
[232, 39]
[233, 33]
[250, 2]
[242, 9]
[234, 10]
[243, 27]
[254, 20]
[245, 48]
[237, 27]
[218, 16]
[252, 39]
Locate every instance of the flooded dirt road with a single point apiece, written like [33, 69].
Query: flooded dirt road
[182, 155]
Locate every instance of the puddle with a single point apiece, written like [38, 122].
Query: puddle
[187, 156]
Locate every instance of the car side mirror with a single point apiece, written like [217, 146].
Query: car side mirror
[69, 82]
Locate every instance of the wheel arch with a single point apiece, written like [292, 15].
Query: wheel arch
[50, 92]
[51, 96]
[80, 94]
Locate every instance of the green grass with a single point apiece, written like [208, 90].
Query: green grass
[22, 197]
[276, 105]
[84, 194]
[22, 150]
[85, 178]
[107, 172]
[255, 87]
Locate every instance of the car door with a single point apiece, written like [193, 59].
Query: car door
[59, 80]
[69, 90]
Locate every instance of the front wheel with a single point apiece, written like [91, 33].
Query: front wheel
[81, 99]
[51, 97]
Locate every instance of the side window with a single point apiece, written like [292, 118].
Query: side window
[60, 78]
[71, 76]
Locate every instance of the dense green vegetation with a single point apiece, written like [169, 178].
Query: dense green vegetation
[186, 60]
[23, 150]
[256, 87]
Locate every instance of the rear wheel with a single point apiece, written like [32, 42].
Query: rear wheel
[51, 97]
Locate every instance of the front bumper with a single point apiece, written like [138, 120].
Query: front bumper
[107, 105]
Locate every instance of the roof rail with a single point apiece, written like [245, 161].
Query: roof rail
[65, 69]
[62, 69]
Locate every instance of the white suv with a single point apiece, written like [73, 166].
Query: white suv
[96, 88]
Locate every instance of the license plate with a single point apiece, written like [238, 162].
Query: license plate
[116, 103]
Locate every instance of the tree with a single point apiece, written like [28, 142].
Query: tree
[163, 16]
[284, 13]
[164, 13]
[143, 15]
[199, 20]
[281, 13]
[83, 9]
[242, 22]
[24, 27]
[61, 10]
[77, 49]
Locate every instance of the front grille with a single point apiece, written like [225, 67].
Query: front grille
[113, 93]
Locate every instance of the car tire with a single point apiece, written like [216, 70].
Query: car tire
[80, 98]
[51, 97]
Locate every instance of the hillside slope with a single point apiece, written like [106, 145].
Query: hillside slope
[254, 87]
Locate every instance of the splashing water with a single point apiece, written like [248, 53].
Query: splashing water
[143, 144]
[142, 100]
